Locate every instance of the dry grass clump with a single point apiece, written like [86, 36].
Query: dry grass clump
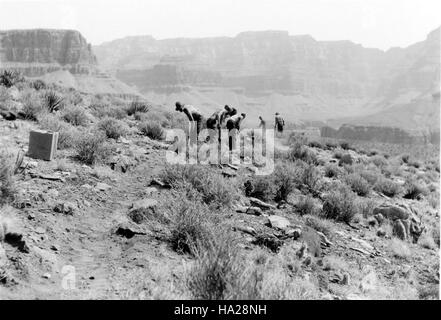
[399, 249]
[299, 151]
[66, 132]
[332, 171]
[340, 205]
[319, 224]
[307, 206]
[216, 191]
[358, 184]
[152, 130]
[345, 159]
[387, 187]
[91, 147]
[137, 107]
[76, 116]
[414, 189]
[191, 231]
[379, 161]
[113, 128]
[7, 186]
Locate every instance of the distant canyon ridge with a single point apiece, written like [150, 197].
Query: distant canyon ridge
[322, 83]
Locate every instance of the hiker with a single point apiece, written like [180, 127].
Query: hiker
[279, 123]
[262, 123]
[192, 113]
[233, 123]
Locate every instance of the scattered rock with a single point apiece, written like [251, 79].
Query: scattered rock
[278, 222]
[66, 208]
[249, 210]
[381, 232]
[159, 183]
[47, 275]
[294, 233]
[269, 241]
[144, 204]
[40, 230]
[128, 230]
[379, 217]
[54, 248]
[391, 212]
[261, 204]
[3, 257]
[248, 230]
[324, 239]
[229, 173]
[31, 216]
[102, 186]
[16, 240]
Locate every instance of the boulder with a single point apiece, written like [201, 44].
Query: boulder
[278, 222]
[392, 212]
[144, 204]
[66, 208]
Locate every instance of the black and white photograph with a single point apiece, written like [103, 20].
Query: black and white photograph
[228, 150]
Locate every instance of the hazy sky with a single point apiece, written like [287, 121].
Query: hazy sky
[372, 23]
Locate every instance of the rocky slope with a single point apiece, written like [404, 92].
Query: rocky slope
[264, 71]
[60, 56]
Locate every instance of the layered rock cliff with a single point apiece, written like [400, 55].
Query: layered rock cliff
[60, 56]
[264, 72]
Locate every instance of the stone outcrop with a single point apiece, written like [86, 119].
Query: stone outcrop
[39, 51]
[371, 133]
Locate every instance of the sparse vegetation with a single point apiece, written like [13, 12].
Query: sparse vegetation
[152, 130]
[76, 116]
[358, 184]
[137, 107]
[345, 159]
[387, 187]
[112, 127]
[339, 204]
[414, 190]
[91, 148]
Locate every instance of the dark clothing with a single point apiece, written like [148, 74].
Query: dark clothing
[280, 127]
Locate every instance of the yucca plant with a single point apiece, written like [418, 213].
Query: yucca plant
[52, 101]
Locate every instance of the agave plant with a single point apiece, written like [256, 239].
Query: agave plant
[8, 78]
[52, 101]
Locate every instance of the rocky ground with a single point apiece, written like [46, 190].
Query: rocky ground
[108, 230]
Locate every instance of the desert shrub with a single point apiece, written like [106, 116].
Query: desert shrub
[414, 189]
[261, 187]
[379, 161]
[66, 132]
[433, 200]
[216, 273]
[297, 139]
[387, 187]
[319, 224]
[315, 144]
[302, 152]
[101, 110]
[33, 108]
[345, 145]
[284, 181]
[215, 190]
[9, 78]
[76, 116]
[337, 154]
[435, 235]
[190, 230]
[339, 204]
[405, 158]
[306, 206]
[332, 171]
[308, 176]
[52, 101]
[113, 128]
[330, 145]
[137, 107]
[345, 159]
[7, 185]
[38, 84]
[358, 184]
[366, 207]
[91, 148]
[370, 176]
[152, 130]
[399, 249]
[427, 241]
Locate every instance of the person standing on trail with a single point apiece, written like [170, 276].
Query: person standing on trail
[193, 115]
[262, 123]
[233, 123]
[279, 123]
